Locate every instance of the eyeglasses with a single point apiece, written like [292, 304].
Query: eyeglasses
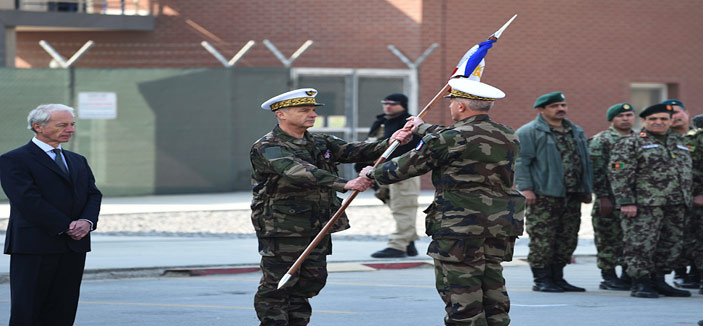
[389, 103]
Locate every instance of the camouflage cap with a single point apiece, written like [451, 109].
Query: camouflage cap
[657, 108]
[549, 98]
[617, 109]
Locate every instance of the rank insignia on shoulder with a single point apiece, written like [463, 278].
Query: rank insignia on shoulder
[617, 165]
[685, 148]
[419, 145]
[643, 134]
[327, 154]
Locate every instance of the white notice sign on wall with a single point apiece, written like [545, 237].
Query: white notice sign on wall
[97, 105]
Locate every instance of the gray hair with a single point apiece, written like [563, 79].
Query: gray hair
[477, 105]
[42, 114]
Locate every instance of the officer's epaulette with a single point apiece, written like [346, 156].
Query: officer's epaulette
[694, 131]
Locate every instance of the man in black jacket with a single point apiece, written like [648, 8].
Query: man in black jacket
[54, 205]
[403, 195]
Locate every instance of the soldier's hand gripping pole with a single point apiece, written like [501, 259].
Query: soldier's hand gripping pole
[393, 145]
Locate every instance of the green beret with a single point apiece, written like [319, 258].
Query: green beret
[657, 108]
[675, 102]
[549, 98]
[617, 109]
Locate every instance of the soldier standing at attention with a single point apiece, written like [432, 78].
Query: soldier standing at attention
[554, 174]
[295, 183]
[606, 219]
[650, 174]
[476, 214]
[680, 123]
[694, 142]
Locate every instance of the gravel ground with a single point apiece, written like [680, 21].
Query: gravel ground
[367, 222]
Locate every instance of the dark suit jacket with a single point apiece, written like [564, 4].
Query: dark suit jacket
[44, 201]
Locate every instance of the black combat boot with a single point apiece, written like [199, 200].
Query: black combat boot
[624, 277]
[690, 280]
[611, 281]
[665, 289]
[642, 288]
[410, 250]
[558, 278]
[543, 281]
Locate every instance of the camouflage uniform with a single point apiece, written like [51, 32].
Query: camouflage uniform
[694, 142]
[607, 229]
[475, 216]
[656, 177]
[295, 184]
[553, 223]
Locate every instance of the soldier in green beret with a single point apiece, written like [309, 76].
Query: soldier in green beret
[554, 173]
[477, 213]
[650, 175]
[294, 195]
[606, 218]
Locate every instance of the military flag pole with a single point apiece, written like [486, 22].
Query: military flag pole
[470, 66]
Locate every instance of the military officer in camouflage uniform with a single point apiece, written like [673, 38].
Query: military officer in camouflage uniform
[694, 142]
[606, 219]
[476, 214]
[650, 174]
[680, 123]
[295, 184]
[554, 173]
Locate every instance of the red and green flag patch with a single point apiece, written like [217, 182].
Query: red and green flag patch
[617, 165]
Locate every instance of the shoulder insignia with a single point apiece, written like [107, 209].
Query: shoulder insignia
[272, 152]
[327, 154]
[686, 148]
[419, 145]
[617, 165]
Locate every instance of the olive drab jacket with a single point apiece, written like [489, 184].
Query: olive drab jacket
[295, 181]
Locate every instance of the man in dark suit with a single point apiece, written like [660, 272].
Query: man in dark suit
[54, 205]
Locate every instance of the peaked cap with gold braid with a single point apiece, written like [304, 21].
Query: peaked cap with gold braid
[298, 97]
[473, 90]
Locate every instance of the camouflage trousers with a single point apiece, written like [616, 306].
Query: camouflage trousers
[653, 239]
[607, 233]
[697, 255]
[290, 304]
[469, 279]
[553, 226]
[692, 221]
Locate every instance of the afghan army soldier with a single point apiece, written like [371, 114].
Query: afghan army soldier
[694, 142]
[680, 123]
[295, 183]
[650, 174]
[476, 214]
[555, 175]
[606, 219]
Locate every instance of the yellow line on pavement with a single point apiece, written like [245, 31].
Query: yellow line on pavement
[141, 304]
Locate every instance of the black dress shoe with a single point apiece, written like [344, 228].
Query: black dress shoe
[411, 250]
[389, 253]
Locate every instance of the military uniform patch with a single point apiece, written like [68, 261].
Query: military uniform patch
[419, 145]
[327, 154]
[643, 134]
[617, 165]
